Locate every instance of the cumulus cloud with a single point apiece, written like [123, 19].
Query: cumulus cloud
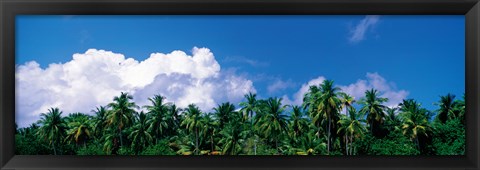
[93, 78]
[358, 33]
[385, 88]
[357, 89]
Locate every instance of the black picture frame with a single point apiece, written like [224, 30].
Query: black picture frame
[10, 8]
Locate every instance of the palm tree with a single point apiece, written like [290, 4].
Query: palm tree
[249, 107]
[232, 137]
[210, 130]
[111, 141]
[233, 134]
[373, 107]
[415, 121]
[52, 127]
[140, 136]
[347, 101]
[446, 104]
[224, 113]
[310, 98]
[328, 107]
[80, 129]
[173, 117]
[299, 124]
[459, 109]
[99, 120]
[392, 121]
[352, 127]
[310, 101]
[158, 124]
[121, 115]
[273, 122]
[194, 124]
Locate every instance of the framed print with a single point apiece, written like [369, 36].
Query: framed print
[186, 84]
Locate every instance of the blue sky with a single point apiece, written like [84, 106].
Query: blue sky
[420, 57]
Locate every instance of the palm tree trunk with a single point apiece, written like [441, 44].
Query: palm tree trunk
[233, 148]
[54, 150]
[371, 127]
[354, 148]
[255, 145]
[211, 141]
[346, 144]
[328, 140]
[276, 144]
[418, 143]
[196, 141]
[276, 141]
[251, 133]
[251, 119]
[351, 144]
[120, 136]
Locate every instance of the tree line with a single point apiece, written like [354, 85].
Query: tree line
[329, 122]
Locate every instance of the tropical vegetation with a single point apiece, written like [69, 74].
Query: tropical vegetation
[329, 122]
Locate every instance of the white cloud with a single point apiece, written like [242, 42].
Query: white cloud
[385, 88]
[298, 96]
[358, 33]
[357, 89]
[279, 85]
[96, 76]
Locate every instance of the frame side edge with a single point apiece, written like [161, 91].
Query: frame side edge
[7, 81]
[3, 160]
[472, 40]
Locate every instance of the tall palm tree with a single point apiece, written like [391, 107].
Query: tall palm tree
[193, 124]
[373, 107]
[347, 101]
[232, 137]
[99, 121]
[274, 121]
[310, 101]
[224, 112]
[111, 144]
[140, 136]
[446, 104]
[210, 130]
[299, 124]
[80, 129]
[249, 107]
[352, 127]
[174, 117]
[52, 127]
[310, 98]
[328, 107]
[414, 121]
[158, 124]
[121, 114]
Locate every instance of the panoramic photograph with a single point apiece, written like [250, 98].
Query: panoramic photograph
[253, 85]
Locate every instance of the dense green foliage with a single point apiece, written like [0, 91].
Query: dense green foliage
[329, 122]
